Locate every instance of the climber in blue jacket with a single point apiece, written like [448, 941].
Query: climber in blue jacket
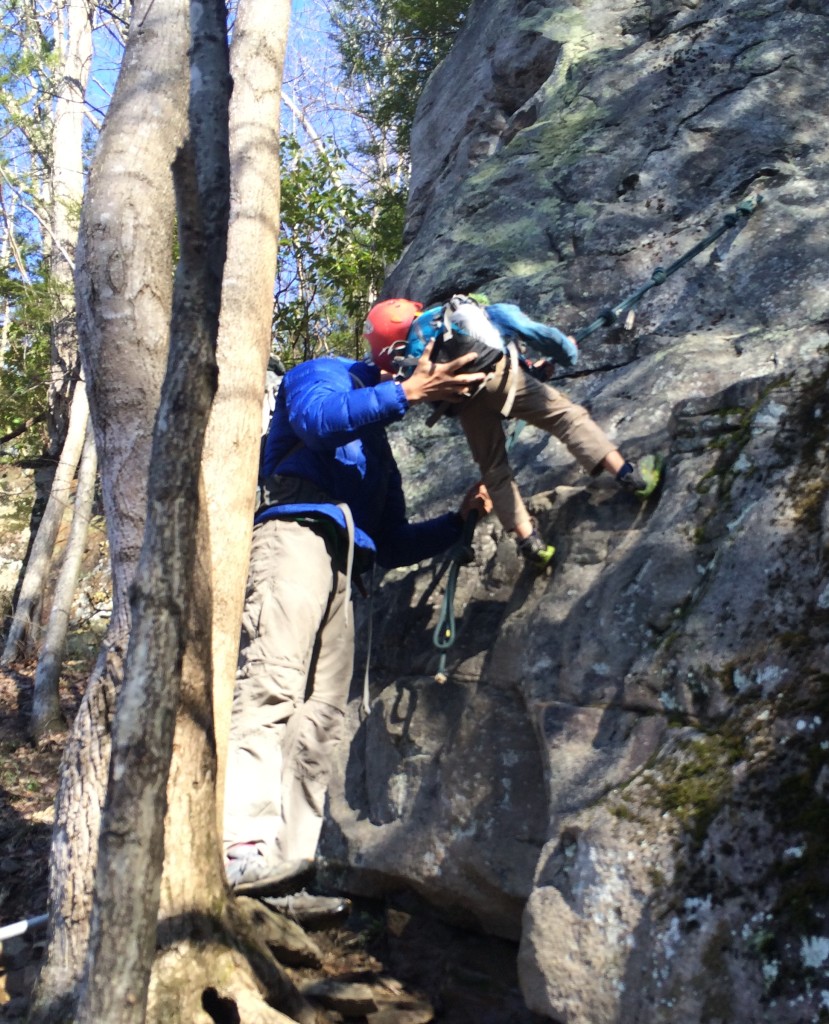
[332, 502]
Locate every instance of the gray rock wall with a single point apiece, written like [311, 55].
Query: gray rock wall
[627, 769]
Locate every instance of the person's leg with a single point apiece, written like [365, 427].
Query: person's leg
[480, 418]
[544, 407]
[613, 462]
[315, 730]
[548, 409]
[287, 599]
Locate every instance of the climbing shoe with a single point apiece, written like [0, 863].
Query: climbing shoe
[535, 552]
[642, 479]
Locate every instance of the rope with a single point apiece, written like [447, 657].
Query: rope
[9, 931]
[366, 705]
[444, 633]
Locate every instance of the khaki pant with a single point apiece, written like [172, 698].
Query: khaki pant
[295, 667]
[537, 404]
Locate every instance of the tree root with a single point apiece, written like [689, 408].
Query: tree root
[221, 972]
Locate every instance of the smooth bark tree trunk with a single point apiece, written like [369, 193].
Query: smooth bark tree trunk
[123, 293]
[209, 954]
[5, 254]
[195, 900]
[47, 716]
[208, 959]
[127, 888]
[128, 877]
[73, 35]
[232, 443]
[24, 631]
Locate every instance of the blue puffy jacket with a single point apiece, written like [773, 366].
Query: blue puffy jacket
[328, 427]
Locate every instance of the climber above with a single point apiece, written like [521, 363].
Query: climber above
[398, 330]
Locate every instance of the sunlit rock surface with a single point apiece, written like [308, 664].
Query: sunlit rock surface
[627, 768]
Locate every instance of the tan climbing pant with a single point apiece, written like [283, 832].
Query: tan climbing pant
[295, 665]
[537, 404]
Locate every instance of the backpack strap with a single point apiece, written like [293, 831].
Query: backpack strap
[349, 562]
[512, 355]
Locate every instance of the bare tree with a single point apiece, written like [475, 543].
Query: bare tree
[124, 298]
[203, 947]
[51, 121]
[47, 716]
[73, 32]
[23, 631]
[232, 448]
[128, 878]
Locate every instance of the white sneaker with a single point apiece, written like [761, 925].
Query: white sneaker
[255, 869]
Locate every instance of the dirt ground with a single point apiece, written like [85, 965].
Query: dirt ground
[415, 967]
[28, 784]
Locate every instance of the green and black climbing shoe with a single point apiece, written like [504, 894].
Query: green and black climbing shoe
[643, 478]
[535, 552]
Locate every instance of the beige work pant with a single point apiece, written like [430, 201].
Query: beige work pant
[537, 404]
[295, 666]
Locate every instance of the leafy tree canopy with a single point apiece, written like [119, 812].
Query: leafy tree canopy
[335, 242]
[25, 366]
[388, 49]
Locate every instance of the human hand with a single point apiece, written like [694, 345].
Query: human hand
[542, 369]
[440, 382]
[476, 500]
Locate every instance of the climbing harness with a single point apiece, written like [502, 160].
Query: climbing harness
[444, 634]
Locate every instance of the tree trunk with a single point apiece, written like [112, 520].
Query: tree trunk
[5, 254]
[217, 974]
[232, 441]
[75, 844]
[209, 956]
[123, 292]
[127, 888]
[24, 629]
[128, 878]
[124, 270]
[74, 36]
[209, 961]
[47, 716]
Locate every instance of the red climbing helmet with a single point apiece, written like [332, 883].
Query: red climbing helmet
[387, 324]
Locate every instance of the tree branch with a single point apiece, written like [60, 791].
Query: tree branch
[43, 224]
[22, 428]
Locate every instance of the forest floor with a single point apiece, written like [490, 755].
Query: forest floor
[420, 968]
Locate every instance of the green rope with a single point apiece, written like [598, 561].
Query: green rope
[444, 633]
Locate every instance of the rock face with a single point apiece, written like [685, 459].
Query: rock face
[627, 769]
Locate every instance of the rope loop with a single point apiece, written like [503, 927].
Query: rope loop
[444, 633]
